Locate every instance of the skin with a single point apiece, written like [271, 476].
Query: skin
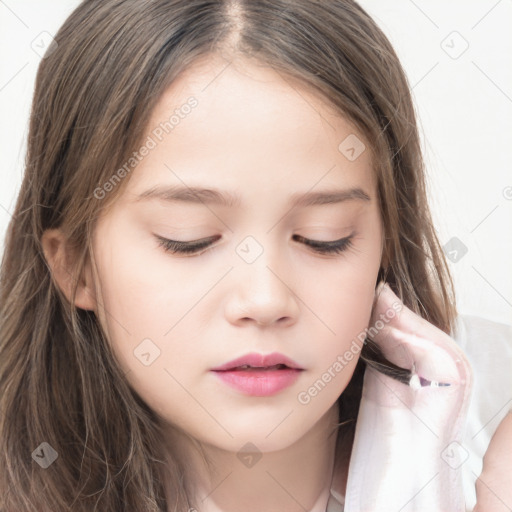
[493, 487]
[264, 137]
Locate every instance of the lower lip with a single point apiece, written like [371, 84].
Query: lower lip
[259, 382]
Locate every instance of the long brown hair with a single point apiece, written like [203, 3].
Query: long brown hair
[94, 93]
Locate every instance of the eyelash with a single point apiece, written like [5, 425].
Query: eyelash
[329, 248]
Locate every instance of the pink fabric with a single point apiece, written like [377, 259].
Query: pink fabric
[406, 448]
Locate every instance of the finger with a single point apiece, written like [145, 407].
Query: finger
[408, 340]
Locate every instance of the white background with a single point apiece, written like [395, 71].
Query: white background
[463, 99]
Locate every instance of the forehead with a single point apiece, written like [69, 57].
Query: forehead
[250, 125]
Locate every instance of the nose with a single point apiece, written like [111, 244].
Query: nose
[263, 293]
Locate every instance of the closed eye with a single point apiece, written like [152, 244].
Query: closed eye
[332, 247]
[185, 247]
[193, 247]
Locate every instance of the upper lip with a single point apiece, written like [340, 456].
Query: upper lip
[259, 360]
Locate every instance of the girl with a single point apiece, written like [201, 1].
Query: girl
[193, 307]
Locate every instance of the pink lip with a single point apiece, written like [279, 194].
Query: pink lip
[259, 360]
[261, 381]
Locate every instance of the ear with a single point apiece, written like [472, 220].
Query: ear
[61, 261]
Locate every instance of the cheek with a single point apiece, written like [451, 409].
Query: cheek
[139, 281]
[341, 299]
[149, 338]
[341, 294]
[346, 315]
[134, 294]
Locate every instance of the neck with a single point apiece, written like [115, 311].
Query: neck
[294, 479]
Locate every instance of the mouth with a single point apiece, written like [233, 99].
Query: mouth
[259, 375]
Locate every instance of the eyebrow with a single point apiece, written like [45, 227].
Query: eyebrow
[179, 193]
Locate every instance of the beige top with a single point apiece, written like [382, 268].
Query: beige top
[336, 502]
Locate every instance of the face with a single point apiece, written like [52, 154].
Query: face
[261, 278]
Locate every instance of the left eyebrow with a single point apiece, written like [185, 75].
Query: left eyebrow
[186, 194]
